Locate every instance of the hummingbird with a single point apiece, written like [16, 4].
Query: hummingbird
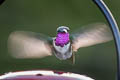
[27, 44]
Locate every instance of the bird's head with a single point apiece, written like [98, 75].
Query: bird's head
[62, 37]
[63, 29]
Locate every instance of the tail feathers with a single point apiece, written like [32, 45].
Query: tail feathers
[72, 59]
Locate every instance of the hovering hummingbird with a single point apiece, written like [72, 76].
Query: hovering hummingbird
[25, 44]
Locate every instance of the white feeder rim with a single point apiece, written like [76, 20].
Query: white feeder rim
[45, 73]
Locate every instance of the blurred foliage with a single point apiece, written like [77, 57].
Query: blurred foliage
[44, 16]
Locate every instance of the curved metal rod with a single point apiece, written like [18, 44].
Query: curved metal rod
[114, 27]
[1, 2]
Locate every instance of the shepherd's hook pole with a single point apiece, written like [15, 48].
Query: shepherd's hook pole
[114, 27]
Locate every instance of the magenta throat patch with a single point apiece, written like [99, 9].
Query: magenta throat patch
[62, 39]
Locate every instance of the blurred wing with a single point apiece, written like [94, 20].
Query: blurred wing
[23, 44]
[90, 35]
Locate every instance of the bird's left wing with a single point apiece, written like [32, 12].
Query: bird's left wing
[90, 35]
[25, 44]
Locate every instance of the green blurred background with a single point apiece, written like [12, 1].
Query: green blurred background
[44, 16]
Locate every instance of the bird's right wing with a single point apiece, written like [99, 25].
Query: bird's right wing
[25, 44]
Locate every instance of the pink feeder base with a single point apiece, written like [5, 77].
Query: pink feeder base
[43, 75]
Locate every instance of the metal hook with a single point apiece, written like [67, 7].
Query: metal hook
[114, 27]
